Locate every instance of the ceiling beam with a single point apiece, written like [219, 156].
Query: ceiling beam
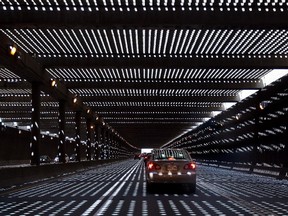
[149, 18]
[29, 68]
[15, 85]
[170, 99]
[157, 109]
[104, 109]
[145, 123]
[196, 62]
[152, 121]
[136, 98]
[169, 84]
[25, 99]
[156, 115]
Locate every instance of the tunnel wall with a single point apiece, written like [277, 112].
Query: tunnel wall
[251, 135]
[17, 176]
[15, 146]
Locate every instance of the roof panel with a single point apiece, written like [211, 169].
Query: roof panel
[95, 5]
[7, 74]
[103, 42]
[144, 63]
[162, 74]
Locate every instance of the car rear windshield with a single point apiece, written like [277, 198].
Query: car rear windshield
[170, 154]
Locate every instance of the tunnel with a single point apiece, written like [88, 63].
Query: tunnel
[87, 86]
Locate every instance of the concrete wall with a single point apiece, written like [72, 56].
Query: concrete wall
[17, 176]
[15, 146]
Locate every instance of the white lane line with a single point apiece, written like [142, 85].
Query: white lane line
[104, 207]
[124, 178]
[92, 207]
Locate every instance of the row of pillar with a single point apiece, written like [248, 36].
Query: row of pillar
[100, 141]
[255, 154]
[284, 169]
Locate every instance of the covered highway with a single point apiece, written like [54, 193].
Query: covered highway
[120, 189]
[90, 83]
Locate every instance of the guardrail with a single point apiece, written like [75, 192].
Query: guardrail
[13, 176]
[273, 171]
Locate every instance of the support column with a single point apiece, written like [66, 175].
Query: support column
[112, 148]
[284, 154]
[78, 132]
[62, 143]
[254, 154]
[98, 141]
[104, 150]
[88, 143]
[92, 148]
[117, 147]
[108, 144]
[35, 129]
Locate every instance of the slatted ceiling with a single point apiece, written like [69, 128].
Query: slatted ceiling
[103, 43]
[15, 92]
[153, 92]
[54, 42]
[124, 5]
[138, 75]
[152, 112]
[158, 104]
[154, 119]
[8, 75]
[15, 104]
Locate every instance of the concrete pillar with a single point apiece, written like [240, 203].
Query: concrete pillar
[256, 144]
[92, 146]
[78, 138]
[108, 144]
[112, 148]
[284, 154]
[35, 129]
[88, 132]
[98, 141]
[62, 122]
[104, 150]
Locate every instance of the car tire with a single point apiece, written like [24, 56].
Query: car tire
[192, 188]
[150, 187]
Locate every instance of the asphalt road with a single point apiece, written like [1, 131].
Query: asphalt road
[120, 189]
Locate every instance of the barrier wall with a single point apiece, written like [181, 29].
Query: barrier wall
[17, 176]
[15, 146]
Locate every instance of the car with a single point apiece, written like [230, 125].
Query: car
[171, 166]
[73, 157]
[147, 158]
[45, 159]
[56, 159]
[137, 157]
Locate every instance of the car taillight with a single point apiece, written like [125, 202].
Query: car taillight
[190, 166]
[153, 166]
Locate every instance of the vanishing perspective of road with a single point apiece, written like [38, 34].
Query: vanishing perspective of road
[119, 188]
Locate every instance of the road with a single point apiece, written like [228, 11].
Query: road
[120, 189]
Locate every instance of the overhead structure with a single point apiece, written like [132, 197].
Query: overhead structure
[152, 70]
